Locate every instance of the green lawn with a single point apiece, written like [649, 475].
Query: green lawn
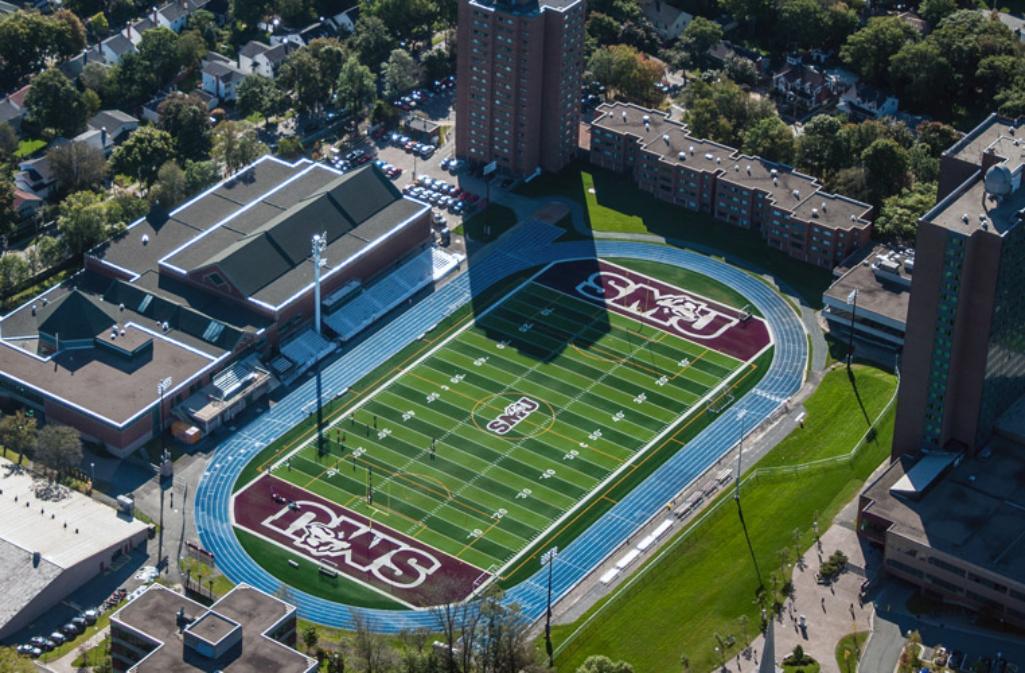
[849, 650]
[488, 224]
[708, 585]
[614, 204]
[94, 656]
[28, 147]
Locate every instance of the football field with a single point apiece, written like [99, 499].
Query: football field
[449, 472]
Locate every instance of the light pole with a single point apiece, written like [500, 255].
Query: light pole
[319, 243]
[547, 559]
[852, 299]
[162, 386]
[92, 475]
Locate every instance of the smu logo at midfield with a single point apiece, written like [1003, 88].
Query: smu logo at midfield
[326, 534]
[681, 312]
[515, 413]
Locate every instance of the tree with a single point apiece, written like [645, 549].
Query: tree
[290, 147]
[935, 11]
[723, 111]
[12, 662]
[159, 49]
[967, 36]
[372, 40]
[77, 166]
[818, 148]
[59, 447]
[236, 145]
[170, 188]
[922, 76]
[8, 216]
[800, 22]
[132, 81]
[700, 35]
[191, 49]
[898, 218]
[14, 270]
[605, 30]
[886, 168]
[406, 18]
[200, 174]
[29, 40]
[840, 22]
[751, 12]
[999, 73]
[8, 142]
[96, 77]
[53, 102]
[142, 155]
[599, 663]
[938, 136]
[250, 12]
[257, 94]
[47, 251]
[82, 221]
[186, 119]
[301, 74]
[868, 51]
[633, 75]
[310, 637]
[770, 138]
[356, 88]
[401, 73]
[923, 165]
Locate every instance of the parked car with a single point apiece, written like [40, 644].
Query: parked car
[25, 650]
[58, 637]
[91, 615]
[70, 629]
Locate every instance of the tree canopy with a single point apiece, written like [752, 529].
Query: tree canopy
[186, 120]
[53, 102]
[142, 155]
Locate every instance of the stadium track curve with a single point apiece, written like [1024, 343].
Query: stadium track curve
[528, 245]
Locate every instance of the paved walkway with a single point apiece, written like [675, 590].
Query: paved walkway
[64, 664]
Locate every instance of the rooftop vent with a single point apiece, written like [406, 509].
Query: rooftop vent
[749, 169]
[646, 119]
[624, 115]
[775, 181]
[797, 193]
[773, 172]
[120, 307]
[718, 160]
[164, 326]
[815, 212]
[665, 137]
[682, 156]
[708, 155]
[822, 206]
[691, 149]
[964, 218]
[145, 239]
[736, 168]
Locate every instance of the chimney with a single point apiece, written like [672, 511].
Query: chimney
[103, 138]
[85, 57]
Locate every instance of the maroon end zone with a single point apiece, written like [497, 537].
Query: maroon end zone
[659, 305]
[330, 534]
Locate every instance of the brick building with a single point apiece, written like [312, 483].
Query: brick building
[198, 292]
[790, 209]
[519, 68]
[948, 510]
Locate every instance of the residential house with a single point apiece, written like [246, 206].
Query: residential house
[669, 22]
[97, 138]
[346, 21]
[36, 177]
[803, 88]
[719, 54]
[863, 101]
[221, 76]
[26, 204]
[114, 48]
[7, 8]
[258, 58]
[303, 37]
[118, 124]
[11, 113]
[1015, 23]
[917, 23]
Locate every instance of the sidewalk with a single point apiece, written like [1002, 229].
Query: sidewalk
[64, 664]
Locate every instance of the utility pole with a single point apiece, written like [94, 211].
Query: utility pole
[547, 559]
[162, 386]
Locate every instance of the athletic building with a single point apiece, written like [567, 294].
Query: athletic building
[948, 511]
[188, 307]
[519, 67]
[245, 631]
[789, 208]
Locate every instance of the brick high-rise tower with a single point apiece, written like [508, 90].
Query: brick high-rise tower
[964, 355]
[518, 90]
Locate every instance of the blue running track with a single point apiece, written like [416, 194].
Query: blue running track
[526, 246]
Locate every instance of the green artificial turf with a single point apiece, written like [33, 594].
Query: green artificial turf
[307, 577]
[615, 204]
[708, 584]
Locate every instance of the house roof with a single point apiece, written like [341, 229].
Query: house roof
[9, 110]
[19, 96]
[111, 120]
[253, 48]
[119, 44]
[173, 11]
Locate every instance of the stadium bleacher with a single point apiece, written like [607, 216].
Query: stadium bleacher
[306, 350]
[378, 299]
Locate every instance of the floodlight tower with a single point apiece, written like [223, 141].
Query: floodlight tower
[318, 244]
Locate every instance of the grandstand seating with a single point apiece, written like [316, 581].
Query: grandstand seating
[387, 293]
[306, 350]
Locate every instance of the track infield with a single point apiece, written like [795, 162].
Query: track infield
[449, 472]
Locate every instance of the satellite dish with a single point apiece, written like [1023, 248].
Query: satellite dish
[998, 181]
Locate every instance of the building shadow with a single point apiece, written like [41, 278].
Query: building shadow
[535, 309]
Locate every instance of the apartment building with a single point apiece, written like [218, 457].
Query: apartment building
[963, 365]
[948, 510]
[519, 68]
[790, 209]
